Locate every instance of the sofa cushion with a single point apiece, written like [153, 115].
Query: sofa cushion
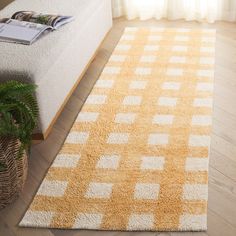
[30, 63]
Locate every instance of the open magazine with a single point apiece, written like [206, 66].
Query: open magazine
[26, 26]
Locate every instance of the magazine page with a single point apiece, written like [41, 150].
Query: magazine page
[21, 31]
[28, 25]
[54, 21]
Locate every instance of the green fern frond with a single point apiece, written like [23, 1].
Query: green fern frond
[18, 112]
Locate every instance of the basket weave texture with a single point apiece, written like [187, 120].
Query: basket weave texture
[13, 176]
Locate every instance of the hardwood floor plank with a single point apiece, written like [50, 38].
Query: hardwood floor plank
[5, 229]
[223, 184]
[223, 164]
[224, 131]
[227, 119]
[49, 148]
[218, 227]
[222, 196]
[188, 234]
[223, 147]
[226, 73]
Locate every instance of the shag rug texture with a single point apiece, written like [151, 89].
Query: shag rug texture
[136, 157]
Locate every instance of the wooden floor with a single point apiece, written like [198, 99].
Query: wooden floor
[4, 3]
[222, 179]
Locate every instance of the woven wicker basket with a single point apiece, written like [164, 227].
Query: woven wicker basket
[13, 176]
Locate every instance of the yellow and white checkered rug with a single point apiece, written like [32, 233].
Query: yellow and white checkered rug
[136, 157]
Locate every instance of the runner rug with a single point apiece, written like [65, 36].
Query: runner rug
[136, 157]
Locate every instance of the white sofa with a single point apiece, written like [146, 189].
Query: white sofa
[56, 62]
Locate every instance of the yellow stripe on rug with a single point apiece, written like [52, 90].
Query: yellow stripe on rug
[136, 157]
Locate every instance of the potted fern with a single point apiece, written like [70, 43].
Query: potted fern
[18, 118]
